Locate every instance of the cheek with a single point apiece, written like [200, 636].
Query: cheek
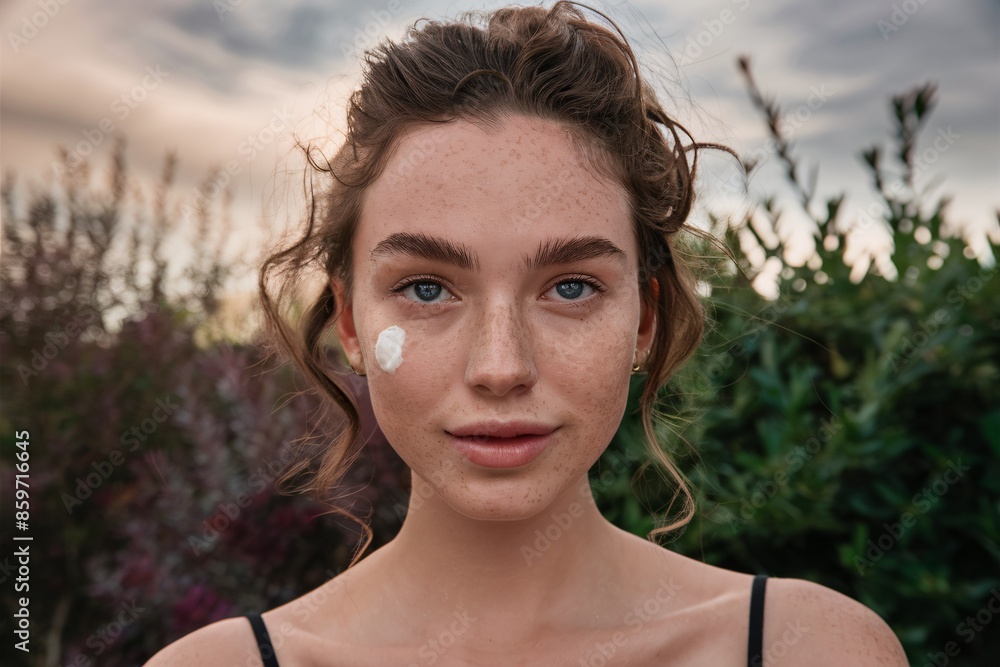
[409, 395]
[595, 349]
[602, 394]
[589, 367]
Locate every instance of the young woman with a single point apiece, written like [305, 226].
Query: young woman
[497, 244]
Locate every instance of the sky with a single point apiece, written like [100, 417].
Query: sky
[232, 83]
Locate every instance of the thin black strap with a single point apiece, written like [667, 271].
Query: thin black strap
[263, 640]
[755, 652]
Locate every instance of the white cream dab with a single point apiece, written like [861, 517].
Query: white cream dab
[389, 348]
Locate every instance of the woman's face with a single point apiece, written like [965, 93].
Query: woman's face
[512, 269]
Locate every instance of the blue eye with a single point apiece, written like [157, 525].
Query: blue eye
[570, 290]
[421, 289]
[575, 289]
[425, 291]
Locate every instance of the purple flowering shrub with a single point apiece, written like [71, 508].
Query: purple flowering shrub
[154, 448]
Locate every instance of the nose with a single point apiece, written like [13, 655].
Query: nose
[500, 356]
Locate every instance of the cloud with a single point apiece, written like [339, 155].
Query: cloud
[229, 73]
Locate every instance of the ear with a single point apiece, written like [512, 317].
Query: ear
[346, 331]
[647, 321]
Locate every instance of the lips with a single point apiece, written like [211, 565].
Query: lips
[496, 444]
[512, 452]
[497, 431]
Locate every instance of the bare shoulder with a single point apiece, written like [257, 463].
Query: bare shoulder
[807, 623]
[225, 642]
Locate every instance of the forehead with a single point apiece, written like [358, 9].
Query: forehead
[524, 179]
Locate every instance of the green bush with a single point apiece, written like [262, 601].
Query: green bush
[848, 432]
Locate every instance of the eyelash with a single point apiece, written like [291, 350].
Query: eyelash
[598, 288]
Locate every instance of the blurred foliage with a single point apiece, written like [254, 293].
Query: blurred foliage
[155, 440]
[847, 432]
[822, 423]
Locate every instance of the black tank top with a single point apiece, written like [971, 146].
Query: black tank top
[755, 642]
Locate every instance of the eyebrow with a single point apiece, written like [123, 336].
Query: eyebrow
[550, 252]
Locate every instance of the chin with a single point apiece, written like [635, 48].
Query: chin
[489, 496]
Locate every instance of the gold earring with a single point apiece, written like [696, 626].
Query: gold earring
[635, 368]
[356, 370]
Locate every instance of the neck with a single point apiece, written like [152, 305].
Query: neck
[515, 578]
